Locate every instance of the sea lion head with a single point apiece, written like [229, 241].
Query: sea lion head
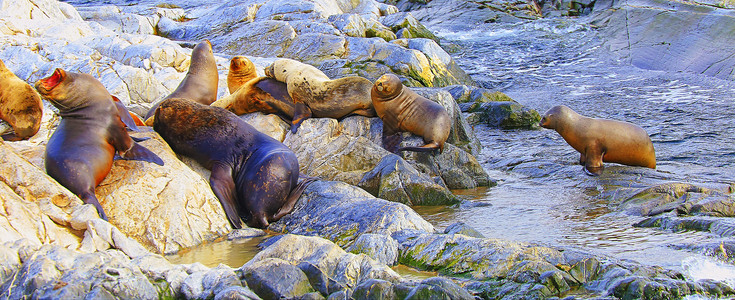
[69, 91]
[387, 87]
[555, 115]
[269, 70]
[202, 57]
[242, 65]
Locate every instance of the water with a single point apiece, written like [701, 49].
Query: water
[551, 62]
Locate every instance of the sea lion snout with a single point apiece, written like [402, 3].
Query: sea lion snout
[49, 83]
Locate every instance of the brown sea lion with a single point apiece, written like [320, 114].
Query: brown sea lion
[241, 71]
[323, 97]
[401, 109]
[200, 83]
[254, 176]
[263, 94]
[131, 120]
[80, 152]
[20, 106]
[601, 140]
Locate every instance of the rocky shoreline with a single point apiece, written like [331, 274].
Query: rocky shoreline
[347, 229]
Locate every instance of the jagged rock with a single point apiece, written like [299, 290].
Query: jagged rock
[328, 151]
[56, 272]
[236, 292]
[347, 269]
[379, 247]
[270, 124]
[462, 228]
[341, 212]
[394, 179]
[439, 288]
[273, 278]
[113, 18]
[408, 26]
[375, 289]
[457, 168]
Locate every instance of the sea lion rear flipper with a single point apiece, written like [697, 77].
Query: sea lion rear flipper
[301, 113]
[90, 198]
[223, 187]
[138, 152]
[294, 196]
[431, 147]
[391, 138]
[140, 139]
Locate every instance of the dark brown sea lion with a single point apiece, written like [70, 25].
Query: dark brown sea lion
[323, 97]
[401, 109]
[241, 71]
[20, 106]
[601, 140]
[80, 152]
[254, 176]
[200, 83]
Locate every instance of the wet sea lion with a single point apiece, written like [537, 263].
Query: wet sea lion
[601, 140]
[254, 176]
[401, 109]
[200, 82]
[322, 96]
[20, 106]
[80, 152]
[241, 71]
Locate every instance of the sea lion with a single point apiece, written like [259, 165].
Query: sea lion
[20, 106]
[241, 71]
[601, 140]
[321, 96]
[80, 152]
[131, 120]
[262, 94]
[200, 83]
[254, 176]
[401, 109]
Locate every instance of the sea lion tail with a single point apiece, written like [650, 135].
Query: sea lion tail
[138, 152]
[294, 196]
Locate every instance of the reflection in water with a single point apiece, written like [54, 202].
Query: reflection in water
[233, 253]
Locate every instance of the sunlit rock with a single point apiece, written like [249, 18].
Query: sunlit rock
[381, 248]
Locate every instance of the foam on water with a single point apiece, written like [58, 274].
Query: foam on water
[698, 268]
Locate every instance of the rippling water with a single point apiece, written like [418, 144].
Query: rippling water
[550, 62]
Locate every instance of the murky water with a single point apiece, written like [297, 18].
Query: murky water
[550, 62]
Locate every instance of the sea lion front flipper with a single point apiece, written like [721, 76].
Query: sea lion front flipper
[294, 196]
[593, 161]
[301, 113]
[430, 147]
[90, 198]
[125, 115]
[223, 187]
[140, 139]
[138, 152]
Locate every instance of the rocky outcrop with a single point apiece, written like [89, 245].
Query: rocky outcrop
[665, 35]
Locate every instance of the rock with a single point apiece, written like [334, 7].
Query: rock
[55, 272]
[457, 168]
[394, 179]
[236, 292]
[439, 288]
[328, 151]
[381, 248]
[341, 213]
[315, 47]
[505, 114]
[410, 26]
[9, 263]
[465, 16]
[375, 289]
[462, 228]
[665, 36]
[274, 278]
[346, 269]
[270, 124]
[664, 197]
[111, 17]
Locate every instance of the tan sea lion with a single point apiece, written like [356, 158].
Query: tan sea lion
[263, 94]
[254, 176]
[20, 106]
[401, 109]
[322, 96]
[241, 71]
[200, 83]
[601, 140]
[80, 152]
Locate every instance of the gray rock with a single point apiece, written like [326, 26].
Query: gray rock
[410, 26]
[236, 293]
[274, 278]
[462, 228]
[379, 247]
[319, 279]
[439, 288]
[394, 179]
[341, 212]
[375, 289]
[506, 115]
[457, 168]
[315, 48]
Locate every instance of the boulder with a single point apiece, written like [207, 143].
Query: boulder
[381, 248]
[394, 179]
[439, 288]
[408, 27]
[375, 289]
[457, 168]
[274, 278]
[341, 213]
